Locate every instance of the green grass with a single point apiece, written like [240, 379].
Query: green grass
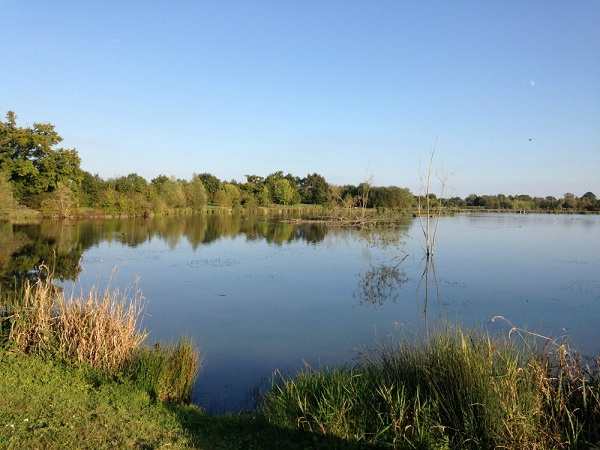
[166, 372]
[51, 405]
[47, 405]
[457, 391]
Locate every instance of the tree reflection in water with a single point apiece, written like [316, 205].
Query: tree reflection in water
[382, 283]
[61, 244]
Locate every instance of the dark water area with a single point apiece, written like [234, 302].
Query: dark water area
[258, 296]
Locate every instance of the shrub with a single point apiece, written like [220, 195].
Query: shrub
[59, 203]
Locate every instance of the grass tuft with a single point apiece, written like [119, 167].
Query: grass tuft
[167, 372]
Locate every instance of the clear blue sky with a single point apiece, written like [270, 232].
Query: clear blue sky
[344, 88]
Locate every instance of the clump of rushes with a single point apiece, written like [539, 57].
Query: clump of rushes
[100, 330]
[455, 391]
[167, 372]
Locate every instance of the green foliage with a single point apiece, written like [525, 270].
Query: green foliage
[264, 196]
[222, 199]
[456, 391]
[390, 197]
[314, 189]
[35, 167]
[33, 163]
[170, 190]
[7, 201]
[569, 202]
[233, 193]
[132, 183]
[248, 200]
[167, 372]
[284, 193]
[228, 195]
[46, 404]
[211, 183]
[91, 190]
[195, 193]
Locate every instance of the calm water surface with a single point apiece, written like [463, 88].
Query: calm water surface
[258, 296]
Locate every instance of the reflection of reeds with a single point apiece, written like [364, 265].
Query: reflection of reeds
[455, 391]
[100, 329]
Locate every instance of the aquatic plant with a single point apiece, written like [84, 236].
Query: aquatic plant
[456, 391]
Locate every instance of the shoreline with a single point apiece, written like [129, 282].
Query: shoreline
[316, 214]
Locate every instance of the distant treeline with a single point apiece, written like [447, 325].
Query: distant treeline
[569, 202]
[36, 173]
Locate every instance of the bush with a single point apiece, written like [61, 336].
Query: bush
[59, 203]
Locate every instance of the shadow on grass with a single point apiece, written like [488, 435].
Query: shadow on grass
[248, 431]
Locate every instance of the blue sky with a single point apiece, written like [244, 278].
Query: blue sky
[509, 90]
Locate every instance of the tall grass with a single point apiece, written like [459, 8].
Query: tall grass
[167, 372]
[456, 391]
[100, 329]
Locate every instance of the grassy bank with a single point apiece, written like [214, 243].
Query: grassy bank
[76, 374]
[48, 404]
[457, 391]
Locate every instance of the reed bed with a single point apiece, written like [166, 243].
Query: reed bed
[100, 329]
[456, 391]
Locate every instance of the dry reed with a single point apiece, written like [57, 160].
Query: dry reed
[100, 329]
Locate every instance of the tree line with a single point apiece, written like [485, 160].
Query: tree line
[569, 202]
[36, 172]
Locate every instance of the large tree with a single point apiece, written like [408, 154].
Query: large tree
[314, 189]
[33, 163]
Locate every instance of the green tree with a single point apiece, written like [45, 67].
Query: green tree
[33, 163]
[170, 191]
[211, 183]
[314, 189]
[196, 193]
[91, 189]
[229, 195]
[264, 196]
[130, 183]
[283, 192]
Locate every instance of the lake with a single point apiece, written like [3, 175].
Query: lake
[258, 295]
